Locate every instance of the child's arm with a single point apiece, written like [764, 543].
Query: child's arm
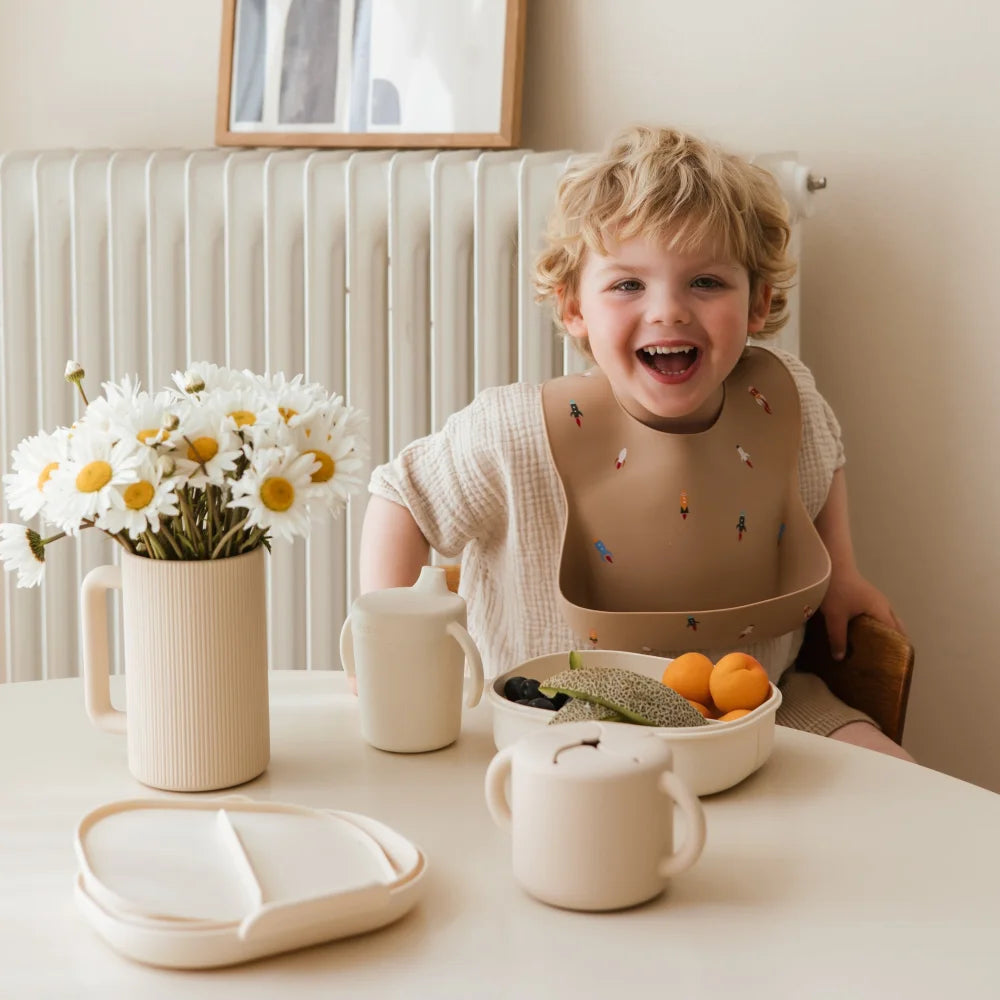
[392, 547]
[849, 594]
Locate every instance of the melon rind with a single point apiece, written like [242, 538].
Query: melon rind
[638, 698]
[578, 710]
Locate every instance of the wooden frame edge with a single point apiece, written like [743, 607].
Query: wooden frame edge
[510, 108]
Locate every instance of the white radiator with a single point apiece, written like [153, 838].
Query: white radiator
[401, 279]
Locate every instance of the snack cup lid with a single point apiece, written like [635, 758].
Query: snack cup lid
[200, 882]
[593, 750]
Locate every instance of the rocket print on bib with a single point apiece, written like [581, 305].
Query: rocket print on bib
[603, 549]
[741, 526]
[744, 457]
[685, 510]
[759, 399]
[620, 460]
[576, 413]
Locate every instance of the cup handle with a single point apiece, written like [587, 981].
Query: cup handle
[96, 661]
[474, 687]
[694, 815]
[347, 647]
[496, 796]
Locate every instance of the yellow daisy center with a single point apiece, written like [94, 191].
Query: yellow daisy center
[93, 477]
[287, 413]
[137, 495]
[243, 418]
[277, 493]
[327, 466]
[149, 432]
[43, 476]
[203, 449]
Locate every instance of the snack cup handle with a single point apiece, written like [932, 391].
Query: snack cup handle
[96, 664]
[496, 796]
[694, 815]
[474, 687]
[347, 647]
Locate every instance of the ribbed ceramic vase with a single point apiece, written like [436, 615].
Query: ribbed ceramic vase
[195, 647]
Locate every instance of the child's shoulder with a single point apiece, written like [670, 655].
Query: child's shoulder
[799, 371]
[498, 412]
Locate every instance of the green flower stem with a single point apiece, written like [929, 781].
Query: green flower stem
[53, 538]
[165, 533]
[186, 545]
[154, 547]
[183, 498]
[252, 540]
[229, 534]
[121, 538]
[212, 517]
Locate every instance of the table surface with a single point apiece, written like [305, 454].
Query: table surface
[831, 872]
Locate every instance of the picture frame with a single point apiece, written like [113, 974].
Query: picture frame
[371, 73]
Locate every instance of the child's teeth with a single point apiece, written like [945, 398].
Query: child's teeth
[667, 350]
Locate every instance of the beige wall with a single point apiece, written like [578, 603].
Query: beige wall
[895, 100]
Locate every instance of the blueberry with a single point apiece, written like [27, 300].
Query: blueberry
[529, 687]
[512, 688]
[542, 703]
[559, 699]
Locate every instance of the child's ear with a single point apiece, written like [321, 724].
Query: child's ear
[760, 309]
[569, 313]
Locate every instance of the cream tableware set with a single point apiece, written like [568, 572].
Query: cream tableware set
[195, 883]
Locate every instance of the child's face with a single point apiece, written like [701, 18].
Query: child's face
[666, 328]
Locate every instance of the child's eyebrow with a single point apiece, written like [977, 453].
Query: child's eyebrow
[702, 264]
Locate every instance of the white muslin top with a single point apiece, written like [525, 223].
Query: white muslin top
[485, 486]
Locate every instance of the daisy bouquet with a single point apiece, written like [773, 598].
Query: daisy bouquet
[215, 465]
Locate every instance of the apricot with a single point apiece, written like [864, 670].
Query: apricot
[736, 713]
[738, 681]
[688, 675]
[707, 710]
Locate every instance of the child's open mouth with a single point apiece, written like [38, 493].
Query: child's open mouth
[670, 362]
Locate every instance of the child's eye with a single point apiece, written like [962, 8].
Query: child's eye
[627, 285]
[706, 281]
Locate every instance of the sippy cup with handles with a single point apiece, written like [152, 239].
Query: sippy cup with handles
[408, 647]
[591, 813]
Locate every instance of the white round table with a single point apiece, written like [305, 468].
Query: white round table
[833, 871]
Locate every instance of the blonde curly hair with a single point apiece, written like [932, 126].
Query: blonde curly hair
[663, 184]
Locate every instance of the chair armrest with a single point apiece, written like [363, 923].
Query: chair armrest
[873, 677]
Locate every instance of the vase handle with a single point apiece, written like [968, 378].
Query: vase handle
[96, 661]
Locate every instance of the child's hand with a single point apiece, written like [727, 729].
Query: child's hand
[850, 595]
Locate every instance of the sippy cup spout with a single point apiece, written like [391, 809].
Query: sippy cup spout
[432, 580]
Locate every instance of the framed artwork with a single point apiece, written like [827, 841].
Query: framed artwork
[366, 73]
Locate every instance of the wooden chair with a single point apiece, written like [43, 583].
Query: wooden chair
[873, 677]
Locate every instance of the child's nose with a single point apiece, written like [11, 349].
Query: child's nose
[667, 308]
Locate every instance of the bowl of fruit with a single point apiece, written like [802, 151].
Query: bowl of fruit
[717, 717]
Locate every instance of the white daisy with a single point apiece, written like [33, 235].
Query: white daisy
[144, 502]
[22, 549]
[150, 420]
[332, 435]
[118, 397]
[291, 398]
[88, 482]
[33, 462]
[203, 376]
[250, 413]
[275, 490]
[207, 445]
